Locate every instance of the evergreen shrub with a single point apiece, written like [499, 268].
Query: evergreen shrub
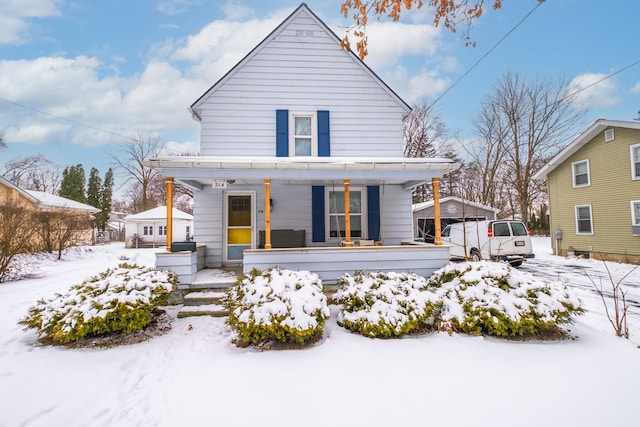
[117, 300]
[277, 305]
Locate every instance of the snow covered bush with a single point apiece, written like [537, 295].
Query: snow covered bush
[495, 299]
[117, 300]
[384, 304]
[277, 304]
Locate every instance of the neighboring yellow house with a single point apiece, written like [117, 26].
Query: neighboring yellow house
[594, 193]
[45, 202]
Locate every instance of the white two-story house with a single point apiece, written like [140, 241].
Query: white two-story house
[301, 162]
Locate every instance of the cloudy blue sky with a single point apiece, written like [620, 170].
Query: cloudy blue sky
[123, 67]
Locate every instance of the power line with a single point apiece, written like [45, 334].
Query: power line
[485, 55]
[68, 120]
[603, 79]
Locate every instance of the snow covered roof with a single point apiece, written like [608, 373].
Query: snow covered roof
[428, 204]
[159, 213]
[51, 201]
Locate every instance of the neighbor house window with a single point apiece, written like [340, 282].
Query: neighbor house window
[584, 219]
[303, 135]
[162, 230]
[635, 212]
[336, 215]
[635, 161]
[147, 230]
[581, 173]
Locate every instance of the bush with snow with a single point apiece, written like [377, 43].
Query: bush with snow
[117, 300]
[384, 304]
[495, 299]
[277, 305]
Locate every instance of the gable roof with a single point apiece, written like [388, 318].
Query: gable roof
[159, 213]
[48, 201]
[580, 141]
[303, 8]
[419, 206]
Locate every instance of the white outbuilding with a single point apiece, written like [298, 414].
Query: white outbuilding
[149, 228]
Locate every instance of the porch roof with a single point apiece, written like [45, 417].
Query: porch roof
[200, 171]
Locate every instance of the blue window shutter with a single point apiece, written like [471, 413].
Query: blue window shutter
[317, 213]
[324, 140]
[282, 133]
[373, 211]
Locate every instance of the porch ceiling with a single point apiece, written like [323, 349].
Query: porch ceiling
[200, 171]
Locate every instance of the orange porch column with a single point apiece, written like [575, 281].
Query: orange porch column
[267, 214]
[347, 214]
[436, 210]
[169, 181]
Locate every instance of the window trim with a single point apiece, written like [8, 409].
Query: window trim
[314, 132]
[634, 220]
[573, 173]
[584, 233]
[162, 230]
[363, 214]
[633, 163]
[147, 230]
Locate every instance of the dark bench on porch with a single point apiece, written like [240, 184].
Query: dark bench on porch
[283, 239]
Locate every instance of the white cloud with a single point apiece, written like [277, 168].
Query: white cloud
[234, 11]
[16, 16]
[593, 92]
[175, 7]
[636, 88]
[412, 87]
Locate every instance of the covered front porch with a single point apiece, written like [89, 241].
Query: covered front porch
[332, 215]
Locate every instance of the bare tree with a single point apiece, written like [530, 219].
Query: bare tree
[3, 143]
[525, 121]
[130, 159]
[62, 229]
[14, 216]
[34, 173]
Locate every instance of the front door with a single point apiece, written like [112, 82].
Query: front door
[239, 220]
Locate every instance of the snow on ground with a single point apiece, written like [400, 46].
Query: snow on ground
[195, 376]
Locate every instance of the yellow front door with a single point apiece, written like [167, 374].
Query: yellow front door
[239, 225]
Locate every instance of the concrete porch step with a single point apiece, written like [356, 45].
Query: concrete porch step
[203, 303]
[205, 297]
[213, 310]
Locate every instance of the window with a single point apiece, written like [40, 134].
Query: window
[581, 173]
[635, 212]
[584, 219]
[162, 230]
[519, 229]
[336, 216]
[147, 230]
[501, 229]
[303, 135]
[608, 135]
[635, 161]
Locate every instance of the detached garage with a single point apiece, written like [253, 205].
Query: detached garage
[149, 228]
[452, 209]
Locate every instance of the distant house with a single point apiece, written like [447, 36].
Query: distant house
[302, 142]
[149, 228]
[594, 192]
[46, 202]
[452, 209]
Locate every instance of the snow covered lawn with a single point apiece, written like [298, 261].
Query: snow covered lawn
[195, 376]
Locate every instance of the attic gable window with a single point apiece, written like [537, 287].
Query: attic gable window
[635, 161]
[303, 135]
[581, 177]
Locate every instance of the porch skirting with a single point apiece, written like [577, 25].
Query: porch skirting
[184, 263]
[329, 263]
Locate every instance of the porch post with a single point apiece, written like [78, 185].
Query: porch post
[347, 214]
[169, 182]
[436, 210]
[267, 214]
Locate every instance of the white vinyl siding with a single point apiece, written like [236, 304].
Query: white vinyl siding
[635, 161]
[584, 219]
[581, 174]
[301, 72]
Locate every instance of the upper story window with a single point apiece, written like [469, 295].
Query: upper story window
[584, 219]
[635, 161]
[581, 177]
[303, 135]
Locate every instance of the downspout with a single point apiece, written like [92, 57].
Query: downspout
[169, 181]
[436, 210]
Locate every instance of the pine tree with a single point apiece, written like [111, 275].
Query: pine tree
[94, 188]
[106, 195]
[73, 184]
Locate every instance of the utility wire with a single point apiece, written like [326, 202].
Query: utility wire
[485, 55]
[69, 120]
[603, 79]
